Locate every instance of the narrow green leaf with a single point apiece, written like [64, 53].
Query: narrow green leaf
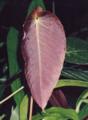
[24, 108]
[69, 82]
[57, 113]
[77, 51]
[12, 49]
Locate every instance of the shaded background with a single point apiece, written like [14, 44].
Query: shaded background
[73, 13]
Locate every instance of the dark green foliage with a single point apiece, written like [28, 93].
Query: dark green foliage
[55, 113]
[83, 113]
[12, 48]
[77, 51]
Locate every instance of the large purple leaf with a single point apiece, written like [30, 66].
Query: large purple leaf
[43, 48]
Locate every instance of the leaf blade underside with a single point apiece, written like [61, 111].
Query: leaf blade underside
[43, 49]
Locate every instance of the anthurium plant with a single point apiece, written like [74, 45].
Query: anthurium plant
[40, 64]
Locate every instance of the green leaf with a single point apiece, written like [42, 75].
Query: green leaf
[12, 49]
[69, 82]
[31, 7]
[24, 108]
[40, 3]
[14, 114]
[34, 4]
[77, 51]
[75, 74]
[57, 113]
[83, 112]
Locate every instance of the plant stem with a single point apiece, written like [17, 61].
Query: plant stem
[8, 97]
[31, 108]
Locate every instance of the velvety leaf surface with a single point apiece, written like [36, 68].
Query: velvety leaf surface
[43, 47]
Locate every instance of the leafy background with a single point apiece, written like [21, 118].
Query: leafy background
[74, 77]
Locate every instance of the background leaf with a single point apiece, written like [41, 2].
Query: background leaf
[77, 51]
[12, 48]
[57, 113]
[71, 73]
[24, 108]
[83, 112]
[69, 82]
[34, 4]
